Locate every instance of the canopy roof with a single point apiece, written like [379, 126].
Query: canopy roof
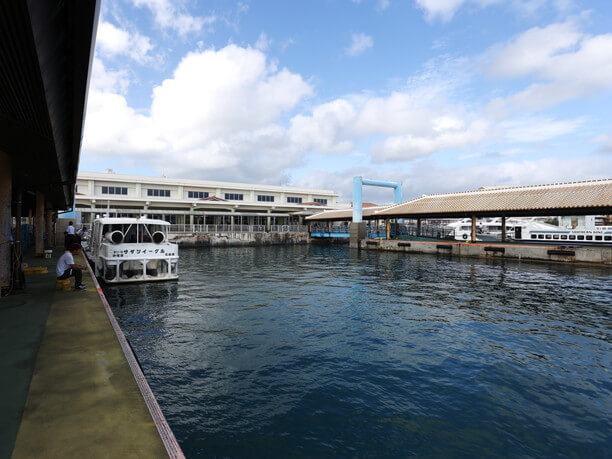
[46, 49]
[572, 198]
[345, 214]
[590, 197]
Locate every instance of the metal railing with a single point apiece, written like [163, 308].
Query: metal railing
[396, 231]
[187, 228]
[327, 229]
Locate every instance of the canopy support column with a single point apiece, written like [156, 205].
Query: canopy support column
[473, 236]
[39, 225]
[49, 226]
[503, 233]
[6, 190]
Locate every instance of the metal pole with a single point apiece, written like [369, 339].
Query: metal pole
[503, 235]
[357, 199]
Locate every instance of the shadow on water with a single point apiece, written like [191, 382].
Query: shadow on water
[325, 351]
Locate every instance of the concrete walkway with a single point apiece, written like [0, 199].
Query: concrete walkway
[83, 399]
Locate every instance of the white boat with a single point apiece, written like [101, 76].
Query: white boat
[132, 250]
[462, 229]
[599, 235]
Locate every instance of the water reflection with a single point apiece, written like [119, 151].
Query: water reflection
[323, 351]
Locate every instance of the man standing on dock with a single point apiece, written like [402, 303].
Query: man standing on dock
[70, 236]
[66, 268]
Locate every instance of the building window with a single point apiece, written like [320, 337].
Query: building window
[156, 192]
[321, 201]
[294, 200]
[197, 194]
[234, 197]
[265, 198]
[114, 190]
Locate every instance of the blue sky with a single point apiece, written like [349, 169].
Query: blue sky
[443, 95]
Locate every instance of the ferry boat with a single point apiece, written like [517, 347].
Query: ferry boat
[132, 250]
[531, 230]
[601, 235]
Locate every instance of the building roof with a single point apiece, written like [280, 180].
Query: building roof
[113, 177]
[572, 198]
[345, 214]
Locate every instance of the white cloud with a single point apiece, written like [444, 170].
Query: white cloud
[360, 42]
[171, 15]
[112, 41]
[410, 146]
[383, 5]
[104, 80]
[439, 9]
[605, 143]
[565, 63]
[444, 10]
[532, 129]
[263, 42]
[201, 121]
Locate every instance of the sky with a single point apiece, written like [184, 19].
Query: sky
[441, 95]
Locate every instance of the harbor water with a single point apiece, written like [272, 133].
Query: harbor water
[322, 351]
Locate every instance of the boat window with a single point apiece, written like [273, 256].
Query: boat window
[589, 238]
[598, 238]
[533, 236]
[607, 238]
[540, 236]
[548, 236]
[555, 236]
[581, 238]
[564, 236]
[572, 237]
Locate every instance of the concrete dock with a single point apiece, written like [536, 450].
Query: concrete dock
[600, 256]
[67, 387]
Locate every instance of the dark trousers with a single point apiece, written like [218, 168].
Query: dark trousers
[77, 273]
[68, 240]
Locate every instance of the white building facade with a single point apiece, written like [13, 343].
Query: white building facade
[185, 203]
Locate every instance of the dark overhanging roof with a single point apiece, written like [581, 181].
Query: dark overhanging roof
[592, 197]
[46, 48]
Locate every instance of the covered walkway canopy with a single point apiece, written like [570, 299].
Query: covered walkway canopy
[592, 197]
[46, 49]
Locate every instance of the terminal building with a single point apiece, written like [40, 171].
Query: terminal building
[185, 202]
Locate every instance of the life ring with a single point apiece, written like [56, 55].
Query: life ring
[465, 236]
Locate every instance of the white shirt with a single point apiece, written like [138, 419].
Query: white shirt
[64, 263]
[70, 229]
